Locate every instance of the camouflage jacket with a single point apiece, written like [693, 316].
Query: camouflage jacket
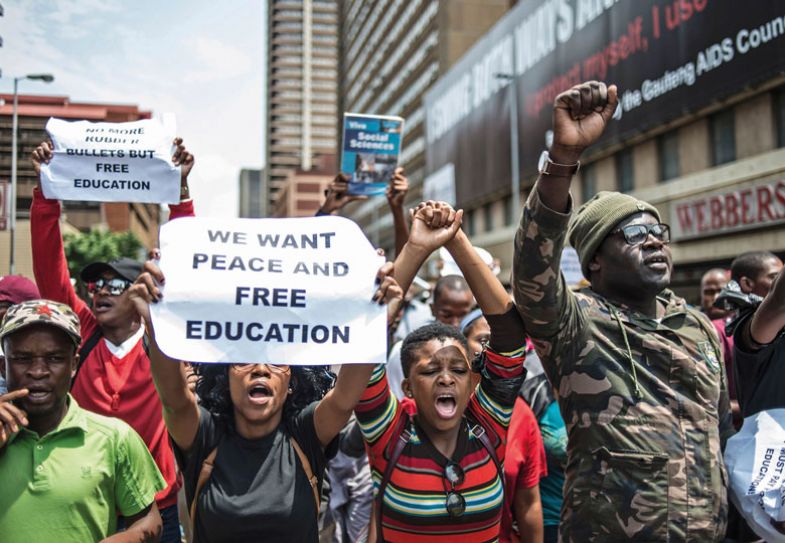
[645, 402]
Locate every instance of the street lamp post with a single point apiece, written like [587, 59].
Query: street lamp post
[46, 78]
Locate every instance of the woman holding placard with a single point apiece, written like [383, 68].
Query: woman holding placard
[253, 452]
[438, 453]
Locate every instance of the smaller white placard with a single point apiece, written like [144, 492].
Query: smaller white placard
[112, 162]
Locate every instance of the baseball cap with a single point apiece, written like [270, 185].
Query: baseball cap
[127, 268]
[16, 289]
[41, 312]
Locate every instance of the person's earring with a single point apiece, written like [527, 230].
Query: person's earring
[410, 395]
[290, 390]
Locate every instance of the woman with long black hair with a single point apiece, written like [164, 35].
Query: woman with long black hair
[253, 451]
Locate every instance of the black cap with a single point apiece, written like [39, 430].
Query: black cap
[126, 268]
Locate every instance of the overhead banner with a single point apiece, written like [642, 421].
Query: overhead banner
[668, 58]
[280, 291]
[112, 162]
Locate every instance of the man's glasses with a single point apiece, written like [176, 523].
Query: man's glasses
[636, 234]
[455, 502]
[247, 368]
[115, 286]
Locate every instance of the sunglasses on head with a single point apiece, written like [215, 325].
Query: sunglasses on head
[635, 234]
[455, 502]
[247, 368]
[115, 286]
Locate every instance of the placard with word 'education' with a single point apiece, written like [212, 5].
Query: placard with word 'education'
[370, 151]
[279, 291]
[112, 162]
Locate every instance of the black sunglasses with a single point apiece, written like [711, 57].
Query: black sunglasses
[115, 286]
[635, 234]
[455, 502]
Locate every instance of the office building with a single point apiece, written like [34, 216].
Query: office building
[392, 53]
[302, 193]
[302, 64]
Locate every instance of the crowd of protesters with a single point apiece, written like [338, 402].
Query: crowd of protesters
[547, 414]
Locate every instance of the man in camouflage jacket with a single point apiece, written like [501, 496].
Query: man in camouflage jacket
[638, 371]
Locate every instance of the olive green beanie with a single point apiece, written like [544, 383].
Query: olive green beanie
[596, 218]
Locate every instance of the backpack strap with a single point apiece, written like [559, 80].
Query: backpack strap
[398, 441]
[314, 482]
[479, 432]
[85, 350]
[204, 475]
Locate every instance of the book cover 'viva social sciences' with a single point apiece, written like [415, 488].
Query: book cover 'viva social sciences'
[370, 151]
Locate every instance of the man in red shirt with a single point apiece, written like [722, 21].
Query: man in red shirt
[113, 377]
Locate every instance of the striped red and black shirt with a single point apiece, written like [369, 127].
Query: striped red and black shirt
[414, 507]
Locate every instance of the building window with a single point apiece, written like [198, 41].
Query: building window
[488, 213]
[668, 154]
[589, 182]
[625, 171]
[723, 137]
[779, 115]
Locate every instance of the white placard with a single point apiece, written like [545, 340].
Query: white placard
[755, 458]
[112, 162]
[281, 291]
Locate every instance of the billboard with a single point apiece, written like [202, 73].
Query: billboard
[668, 58]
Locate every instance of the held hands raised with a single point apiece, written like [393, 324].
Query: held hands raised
[433, 225]
[580, 116]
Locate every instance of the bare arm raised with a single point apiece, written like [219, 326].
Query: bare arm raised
[396, 194]
[181, 412]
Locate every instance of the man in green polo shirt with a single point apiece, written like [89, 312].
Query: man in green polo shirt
[65, 473]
